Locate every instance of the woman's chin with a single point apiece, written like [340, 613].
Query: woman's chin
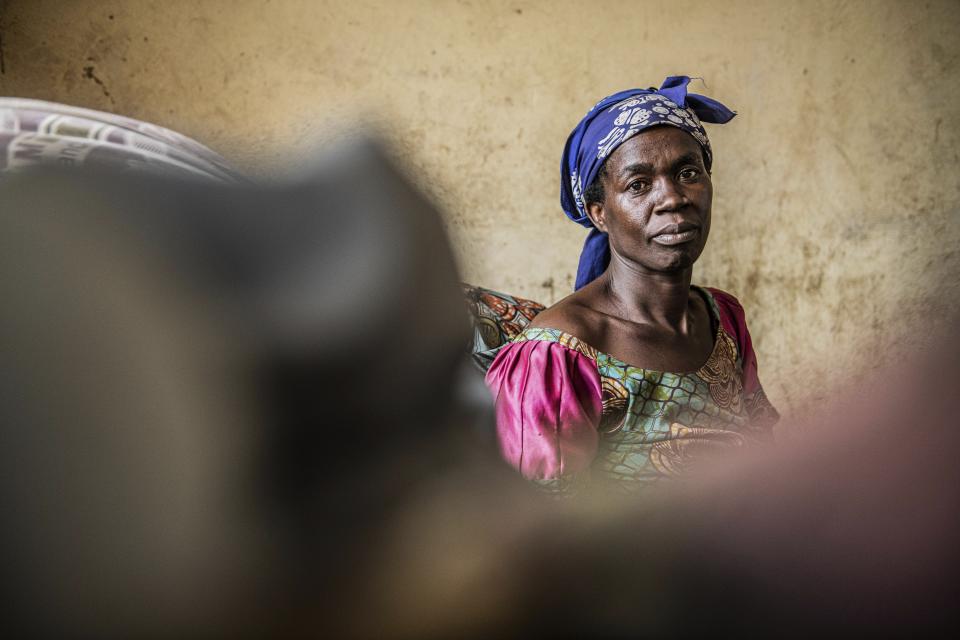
[677, 260]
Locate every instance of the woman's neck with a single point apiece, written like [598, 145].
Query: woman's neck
[644, 296]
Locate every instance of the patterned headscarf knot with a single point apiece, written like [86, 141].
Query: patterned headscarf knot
[610, 123]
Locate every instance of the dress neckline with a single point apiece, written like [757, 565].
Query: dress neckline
[573, 342]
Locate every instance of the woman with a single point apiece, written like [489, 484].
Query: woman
[637, 373]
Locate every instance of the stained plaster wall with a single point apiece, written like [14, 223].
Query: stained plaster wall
[836, 187]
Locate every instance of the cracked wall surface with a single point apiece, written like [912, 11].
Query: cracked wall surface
[837, 193]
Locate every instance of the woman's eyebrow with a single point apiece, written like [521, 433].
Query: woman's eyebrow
[636, 167]
[644, 167]
[687, 158]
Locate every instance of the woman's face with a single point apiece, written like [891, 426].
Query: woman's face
[657, 199]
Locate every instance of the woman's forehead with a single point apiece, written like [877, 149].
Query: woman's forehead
[654, 146]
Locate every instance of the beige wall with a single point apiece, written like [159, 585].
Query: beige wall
[837, 189]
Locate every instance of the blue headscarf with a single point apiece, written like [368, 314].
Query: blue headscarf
[609, 124]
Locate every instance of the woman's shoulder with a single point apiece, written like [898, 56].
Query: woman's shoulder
[723, 298]
[728, 307]
[570, 318]
[734, 322]
[556, 334]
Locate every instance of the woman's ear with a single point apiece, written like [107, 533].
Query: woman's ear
[596, 214]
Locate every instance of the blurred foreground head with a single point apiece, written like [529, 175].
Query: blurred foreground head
[205, 387]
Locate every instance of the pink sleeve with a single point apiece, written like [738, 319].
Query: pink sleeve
[548, 407]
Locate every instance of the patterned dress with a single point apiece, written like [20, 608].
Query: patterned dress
[567, 412]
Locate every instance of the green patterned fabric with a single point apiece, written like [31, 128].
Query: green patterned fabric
[497, 318]
[655, 424]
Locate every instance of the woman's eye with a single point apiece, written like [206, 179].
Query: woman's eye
[637, 185]
[689, 174]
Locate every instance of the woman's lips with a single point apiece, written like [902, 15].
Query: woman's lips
[670, 239]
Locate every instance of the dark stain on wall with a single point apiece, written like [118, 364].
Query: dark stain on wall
[88, 73]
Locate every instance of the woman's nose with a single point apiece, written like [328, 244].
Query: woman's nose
[670, 196]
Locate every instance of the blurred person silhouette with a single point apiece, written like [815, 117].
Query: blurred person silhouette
[206, 382]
